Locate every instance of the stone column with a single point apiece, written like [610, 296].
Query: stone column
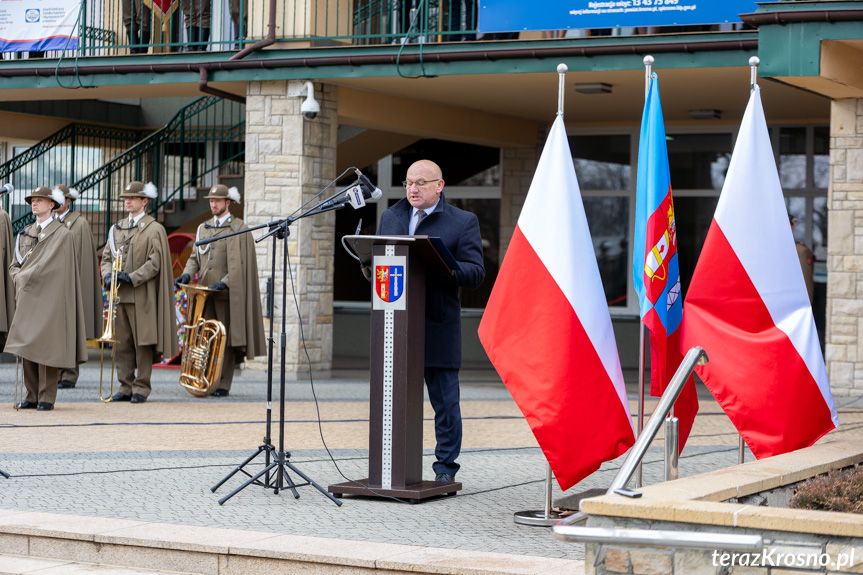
[518, 168]
[288, 160]
[844, 346]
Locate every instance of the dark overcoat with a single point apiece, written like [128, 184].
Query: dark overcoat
[459, 231]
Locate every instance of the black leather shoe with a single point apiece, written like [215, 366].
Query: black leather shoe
[44, 406]
[26, 405]
[220, 393]
[444, 478]
[121, 397]
[65, 384]
[138, 398]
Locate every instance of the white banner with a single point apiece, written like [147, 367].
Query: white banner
[38, 25]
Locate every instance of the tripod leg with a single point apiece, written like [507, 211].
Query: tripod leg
[290, 483]
[238, 468]
[246, 484]
[313, 484]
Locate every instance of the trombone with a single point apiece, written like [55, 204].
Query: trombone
[108, 326]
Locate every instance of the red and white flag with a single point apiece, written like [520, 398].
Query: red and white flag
[747, 306]
[547, 329]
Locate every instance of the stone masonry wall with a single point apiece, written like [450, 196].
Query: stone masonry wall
[288, 160]
[844, 346]
[784, 553]
[519, 166]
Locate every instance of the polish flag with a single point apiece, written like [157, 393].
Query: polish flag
[547, 329]
[748, 307]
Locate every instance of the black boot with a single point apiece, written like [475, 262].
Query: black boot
[192, 33]
[145, 41]
[204, 37]
[132, 41]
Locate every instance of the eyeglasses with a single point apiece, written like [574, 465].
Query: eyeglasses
[419, 183]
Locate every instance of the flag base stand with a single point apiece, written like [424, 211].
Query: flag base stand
[537, 518]
[544, 518]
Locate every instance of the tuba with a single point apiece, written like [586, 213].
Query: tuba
[204, 348]
[108, 325]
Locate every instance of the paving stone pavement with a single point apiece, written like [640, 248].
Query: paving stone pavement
[157, 461]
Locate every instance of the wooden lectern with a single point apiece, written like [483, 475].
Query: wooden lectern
[399, 266]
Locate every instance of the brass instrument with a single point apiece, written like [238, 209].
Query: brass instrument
[204, 348]
[108, 325]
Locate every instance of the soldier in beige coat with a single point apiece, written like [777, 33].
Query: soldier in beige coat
[7, 288]
[50, 335]
[145, 324]
[88, 271]
[229, 266]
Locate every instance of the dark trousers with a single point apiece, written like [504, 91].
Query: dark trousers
[129, 356]
[69, 374]
[40, 381]
[442, 385]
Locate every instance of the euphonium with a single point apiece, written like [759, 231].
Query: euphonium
[108, 324]
[204, 347]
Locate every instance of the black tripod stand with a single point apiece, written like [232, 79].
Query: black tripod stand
[277, 461]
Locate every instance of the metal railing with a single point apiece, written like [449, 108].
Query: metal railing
[120, 27]
[61, 158]
[203, 142]
[695, 356]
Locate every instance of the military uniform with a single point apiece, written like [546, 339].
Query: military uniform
[88, 272]
[231, 265]
[7, 288]
[144, 325]
[51, 336]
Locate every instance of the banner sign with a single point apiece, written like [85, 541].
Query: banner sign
[518, 15]
[38, 25]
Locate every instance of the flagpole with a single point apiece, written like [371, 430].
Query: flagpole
[547, 517]
[754, 61]
[642, 346]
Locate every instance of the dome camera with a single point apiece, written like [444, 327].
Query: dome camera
[310, 107]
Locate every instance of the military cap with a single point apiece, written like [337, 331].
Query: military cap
[42, 192]
[220, 191]
[140, 190]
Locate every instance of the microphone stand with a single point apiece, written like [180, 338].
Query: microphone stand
[279, 230]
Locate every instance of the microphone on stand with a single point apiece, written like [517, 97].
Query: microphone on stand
[7, 189]
[356, 195]
[367, 185]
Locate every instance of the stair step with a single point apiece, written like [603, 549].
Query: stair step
[21, 565]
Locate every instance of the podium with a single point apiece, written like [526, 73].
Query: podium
[399, 266]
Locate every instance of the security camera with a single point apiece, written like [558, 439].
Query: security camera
[310, 107]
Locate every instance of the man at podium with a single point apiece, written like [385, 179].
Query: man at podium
[425, 212]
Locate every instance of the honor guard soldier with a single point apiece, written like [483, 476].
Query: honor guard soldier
[88, 271]
[7, 289]
[50, 336]
[229, 266]
[145, 324]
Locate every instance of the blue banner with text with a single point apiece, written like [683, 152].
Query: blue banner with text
[518, 15]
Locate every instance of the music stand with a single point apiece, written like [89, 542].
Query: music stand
[280, 463]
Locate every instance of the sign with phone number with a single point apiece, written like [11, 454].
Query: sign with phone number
[518, 15]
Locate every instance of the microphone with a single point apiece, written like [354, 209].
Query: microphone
[373, 191]
[356, 195]
[7, 189]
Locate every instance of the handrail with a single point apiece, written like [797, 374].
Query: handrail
[663, 538]
[693, 357]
